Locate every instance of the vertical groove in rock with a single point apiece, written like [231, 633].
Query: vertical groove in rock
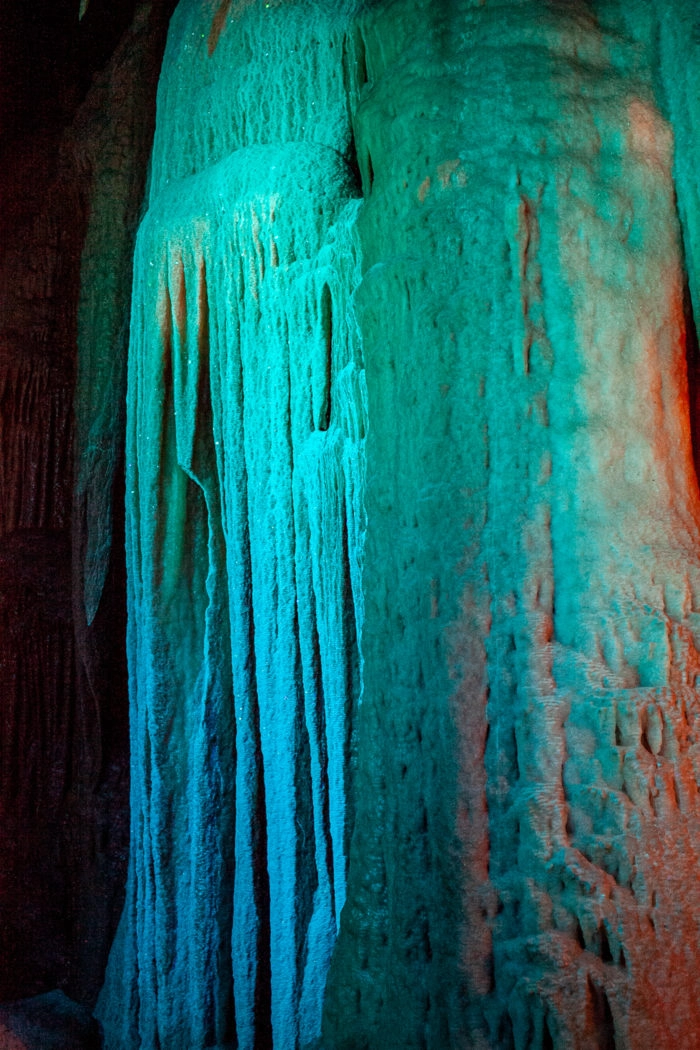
[36, 445]
[404, 959]
[244, 505]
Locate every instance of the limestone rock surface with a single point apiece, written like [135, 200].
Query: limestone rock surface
[531, 562]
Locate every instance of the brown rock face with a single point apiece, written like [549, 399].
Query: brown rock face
[73, 167]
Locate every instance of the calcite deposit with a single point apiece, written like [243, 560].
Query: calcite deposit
[512, 773]
[531, 567]
[245, 472]
[403, 370]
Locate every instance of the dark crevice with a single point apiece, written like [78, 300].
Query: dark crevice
[515, 762]
[203, 453]
[580, 939]
[353, 164]
[490, 973]
[361, 62]
[307, 877]
[257, 815]
[220, 731]
[506, 1039]
[370, 174]
[605, 953]
[353, 684]
[261, 880]
[569, 825]
[324, 416]
[601, 1016]
[168, 417]
[320, 715]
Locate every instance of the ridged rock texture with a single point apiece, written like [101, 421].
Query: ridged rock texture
[410, 436]
[527, 814]
[245, 473]
[74, 152]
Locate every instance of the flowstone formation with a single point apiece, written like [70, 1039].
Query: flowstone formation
[413, 533]
[527, 794]
[246, 420]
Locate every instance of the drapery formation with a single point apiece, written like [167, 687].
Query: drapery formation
[533, 537]
[245, 471]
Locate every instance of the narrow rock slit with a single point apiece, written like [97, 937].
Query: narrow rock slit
[324, 416]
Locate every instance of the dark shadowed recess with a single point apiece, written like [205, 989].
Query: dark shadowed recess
[63, 688]
[48, 57]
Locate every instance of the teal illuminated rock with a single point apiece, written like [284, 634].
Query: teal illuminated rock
[531, 563]
[245, 432]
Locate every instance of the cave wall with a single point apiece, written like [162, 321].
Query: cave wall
[411, 528]
[74, 149]
[473, 211]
